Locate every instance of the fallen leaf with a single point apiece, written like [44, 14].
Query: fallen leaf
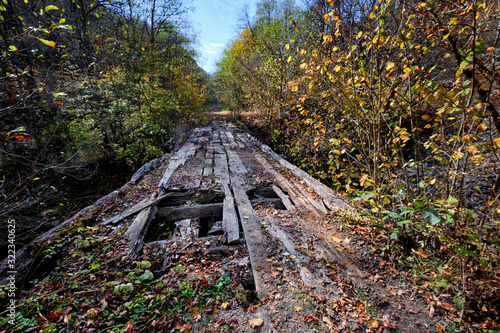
[130, 325]
[255, 323]
[373, 323]
[328, 322]
[431, 311]
[298, 308]
[336, 239]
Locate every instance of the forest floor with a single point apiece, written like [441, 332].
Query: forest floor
[302, 260]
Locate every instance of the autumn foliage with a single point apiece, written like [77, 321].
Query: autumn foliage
[397, 104]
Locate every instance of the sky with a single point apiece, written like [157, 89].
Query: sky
[216, 21]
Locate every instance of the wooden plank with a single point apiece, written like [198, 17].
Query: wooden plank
[231, 139]
[255, 239]
[187, 150]
[138, 228]
[230, 224]
[208, 167]
[332, 201]
[183, 213]
[284, 198]
[134, 209]
[284, 183]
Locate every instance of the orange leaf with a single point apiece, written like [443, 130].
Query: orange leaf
[373, 323]
[483, 127]
[256, 323]
[21, 137]
[421, 253]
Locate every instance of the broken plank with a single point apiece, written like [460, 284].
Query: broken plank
[255, 239]
[134, 209]
[137, 229]
[230, 224]
[333, 201]
[182, 213]
[284, 198]
[187, 150]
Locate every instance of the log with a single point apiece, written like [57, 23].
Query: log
[190, 212]
[134, 209]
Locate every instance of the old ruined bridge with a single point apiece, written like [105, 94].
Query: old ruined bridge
[231, 203]
[241, 178]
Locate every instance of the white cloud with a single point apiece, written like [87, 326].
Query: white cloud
[212, 48]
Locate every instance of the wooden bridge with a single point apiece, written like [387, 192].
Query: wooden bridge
[272, 226]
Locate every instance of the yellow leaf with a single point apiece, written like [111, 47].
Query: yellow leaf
[298, 308]
[387, 201]
[302, 51]
[432, 182]
[372, 15]
[360, 34]
[496, 143]
[373, 323]
[390, 66]
[336, 239]
[51, 7]
[483, 127]
[455, 20]
[292, 40]
[47, 42]
[426, 117]
[255, 323]
[287, 46]
[472, 150]
[337, 152]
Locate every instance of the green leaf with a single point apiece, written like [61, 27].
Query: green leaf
[368, 195]
[95, 266]
[55, 95]
[406, 210]
[147, 275]
[394, 215]
[404, 222]
[431, 216]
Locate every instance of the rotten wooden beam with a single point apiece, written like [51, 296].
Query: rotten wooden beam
[189, 212]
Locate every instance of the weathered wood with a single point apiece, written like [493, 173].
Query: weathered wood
[139, 174]
[230, 224]
[134, 209]
[28, 258]
[188, 228]
[330, 199]
[138, 228]
[266, 202]
[255, 239]
[190, 212]
[187, 150]
[284, 198]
